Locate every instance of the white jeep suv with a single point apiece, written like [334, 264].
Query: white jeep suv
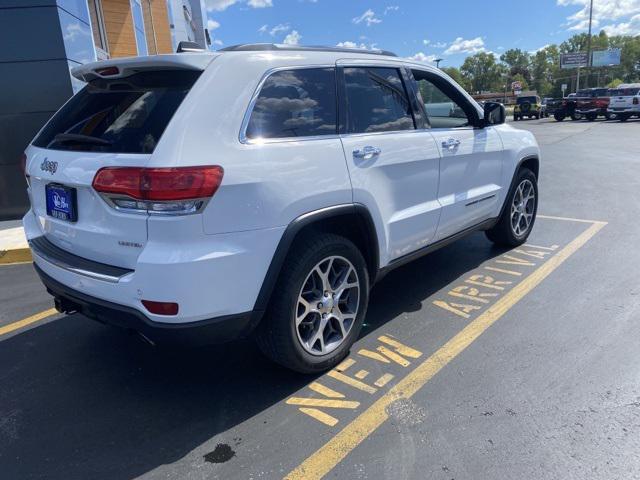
[263, 189]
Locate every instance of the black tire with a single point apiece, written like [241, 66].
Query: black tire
[576, 117]
[277, 335]
[608, 116]
[502, 232]
[538, 116]
[591, 117]
[559, 117]
[623, 117]
[515, 118]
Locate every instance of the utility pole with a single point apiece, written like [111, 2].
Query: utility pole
[589, 43]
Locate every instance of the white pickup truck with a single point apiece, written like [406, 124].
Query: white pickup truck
[625, 101]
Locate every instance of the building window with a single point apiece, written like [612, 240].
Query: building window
[98, 29]
[147, 12]
[138, 27]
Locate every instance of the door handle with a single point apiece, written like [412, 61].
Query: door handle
[367, 153]
[451, 143]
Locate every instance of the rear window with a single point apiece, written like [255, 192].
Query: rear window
[527, 100]
[124, 115]
[626, 92]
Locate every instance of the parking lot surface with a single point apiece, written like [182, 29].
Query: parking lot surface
[474, 362]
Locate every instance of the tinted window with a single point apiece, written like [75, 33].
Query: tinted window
[295, 103]
[126, 115]
[442, 110]
[522, 100]
[376, 101]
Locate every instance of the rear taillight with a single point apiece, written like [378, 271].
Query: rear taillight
[636, 101]
[169, 191]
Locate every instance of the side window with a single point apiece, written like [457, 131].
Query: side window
[376, 100]
[442, 110]
[295, 103]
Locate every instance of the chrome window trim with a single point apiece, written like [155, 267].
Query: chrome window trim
[254, 98]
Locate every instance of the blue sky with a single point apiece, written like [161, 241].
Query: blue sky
[424, 29]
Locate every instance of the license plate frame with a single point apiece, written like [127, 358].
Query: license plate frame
[62, 203]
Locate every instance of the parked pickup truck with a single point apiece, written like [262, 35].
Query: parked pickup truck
[625, 101]
[593, 103]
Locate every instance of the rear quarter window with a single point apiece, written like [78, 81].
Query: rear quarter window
[124, 115]
[295, 103]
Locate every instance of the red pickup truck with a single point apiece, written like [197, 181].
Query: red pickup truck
[593, 103]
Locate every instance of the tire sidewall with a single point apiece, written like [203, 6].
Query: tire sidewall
[523, 174]
[297, 277]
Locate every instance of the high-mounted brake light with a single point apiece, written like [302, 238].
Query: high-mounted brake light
[171, 191]
[107, 71]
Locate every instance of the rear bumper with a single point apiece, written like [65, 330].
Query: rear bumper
[630, 110]
[204, 332]
[597, 111]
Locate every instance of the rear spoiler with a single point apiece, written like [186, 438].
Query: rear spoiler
[123, 67]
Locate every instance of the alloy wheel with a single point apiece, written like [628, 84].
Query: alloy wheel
[523, 208]
[327, 305]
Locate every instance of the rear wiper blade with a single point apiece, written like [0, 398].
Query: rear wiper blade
[78, 138]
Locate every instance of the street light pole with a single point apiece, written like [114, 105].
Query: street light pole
[589, 43]
[438, 60]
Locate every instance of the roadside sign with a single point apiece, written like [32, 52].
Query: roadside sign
[574, 60]
[515, 86]
[564, 88]
[606, 58]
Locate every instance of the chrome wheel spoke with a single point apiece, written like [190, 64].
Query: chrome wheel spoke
[327, 305]
[522, 208]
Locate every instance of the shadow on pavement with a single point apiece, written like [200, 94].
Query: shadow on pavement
[79, 400]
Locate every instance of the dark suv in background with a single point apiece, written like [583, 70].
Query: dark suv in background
[593, 103]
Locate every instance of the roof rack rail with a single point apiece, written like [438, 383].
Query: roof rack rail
[273, 47]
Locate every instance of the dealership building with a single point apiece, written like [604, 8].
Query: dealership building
[43, 39]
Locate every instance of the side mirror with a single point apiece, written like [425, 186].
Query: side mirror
[494, 114]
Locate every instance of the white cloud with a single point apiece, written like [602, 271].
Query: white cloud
[212, 25]
[603, 11]
[369, 17]
[292, 38]
[439, 45]
[426, 42]
[217, 42]
[421, 57]
[391, 8]
[349, 44]
[632, 27]
[280, 28]
[460, 45]
[260, 3]
[219, 5]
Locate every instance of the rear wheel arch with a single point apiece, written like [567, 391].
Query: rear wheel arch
[352, 221]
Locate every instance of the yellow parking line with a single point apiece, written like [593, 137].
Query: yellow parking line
[16, 255]
[27, 321]
[338, 447]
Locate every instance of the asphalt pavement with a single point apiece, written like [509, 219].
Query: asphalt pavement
[474, 363]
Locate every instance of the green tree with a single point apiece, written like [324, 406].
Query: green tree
[455, 73]
[614, 83]
[483, 73]
[518, 62]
